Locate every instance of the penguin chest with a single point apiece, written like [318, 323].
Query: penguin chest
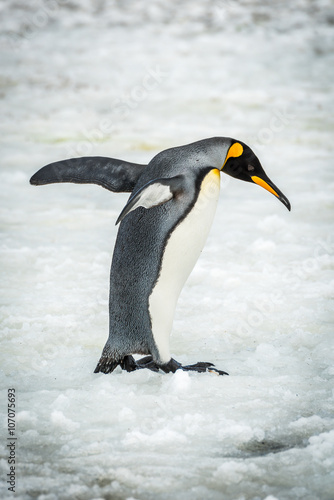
[181, 252]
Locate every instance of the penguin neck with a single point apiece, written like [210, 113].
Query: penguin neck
[213, 151]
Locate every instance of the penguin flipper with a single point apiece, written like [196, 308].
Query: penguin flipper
[115, 175]
[154, 193]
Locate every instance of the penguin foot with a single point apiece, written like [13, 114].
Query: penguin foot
[128, 363]
[171, 366]
[147, 362]
[202, 367]
[199, 367]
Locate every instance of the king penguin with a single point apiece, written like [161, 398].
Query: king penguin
[163, 228]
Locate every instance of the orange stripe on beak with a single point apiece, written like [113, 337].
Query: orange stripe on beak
[264, 184]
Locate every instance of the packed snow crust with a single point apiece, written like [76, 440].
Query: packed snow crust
[126, 80]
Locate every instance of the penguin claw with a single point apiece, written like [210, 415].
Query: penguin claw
[215, 370]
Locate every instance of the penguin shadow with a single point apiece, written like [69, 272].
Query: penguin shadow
[266, 447]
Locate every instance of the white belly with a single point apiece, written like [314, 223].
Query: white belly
[181, 253]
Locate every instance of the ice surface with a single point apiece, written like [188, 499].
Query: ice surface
[128, 79]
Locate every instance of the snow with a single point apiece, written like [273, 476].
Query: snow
[127, 80]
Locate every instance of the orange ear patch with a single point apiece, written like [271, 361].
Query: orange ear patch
[235, 150]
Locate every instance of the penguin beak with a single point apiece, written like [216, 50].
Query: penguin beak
[266, 183]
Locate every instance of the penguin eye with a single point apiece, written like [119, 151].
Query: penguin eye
[250, 168]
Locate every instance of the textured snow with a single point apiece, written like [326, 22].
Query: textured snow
[128, 79]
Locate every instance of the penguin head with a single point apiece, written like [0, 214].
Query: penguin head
[242, 163]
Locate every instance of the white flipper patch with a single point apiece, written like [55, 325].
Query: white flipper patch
[154, 193]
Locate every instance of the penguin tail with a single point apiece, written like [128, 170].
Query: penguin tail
[110, 173]
[106, 365]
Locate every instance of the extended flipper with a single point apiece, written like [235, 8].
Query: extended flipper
[154, 193]
[115, 175]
